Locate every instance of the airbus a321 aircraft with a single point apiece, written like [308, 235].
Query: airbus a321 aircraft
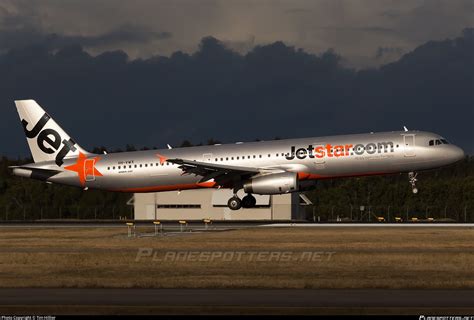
[270, 167]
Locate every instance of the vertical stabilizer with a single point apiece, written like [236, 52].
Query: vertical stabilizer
[46, 139]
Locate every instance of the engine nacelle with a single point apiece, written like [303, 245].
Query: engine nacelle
[276, 183]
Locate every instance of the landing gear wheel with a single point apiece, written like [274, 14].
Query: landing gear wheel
[234, 203]
[412, 180]
[249, 201]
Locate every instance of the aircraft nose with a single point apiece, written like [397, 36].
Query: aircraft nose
[455, 153]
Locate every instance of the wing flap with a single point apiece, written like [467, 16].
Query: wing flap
[212, 166]
[222, 174]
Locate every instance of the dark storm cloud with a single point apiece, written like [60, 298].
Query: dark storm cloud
[356, 27]
[375, 29]
[298, 11]
[26, 36]
[121, 35]
[384, 51]
[390, 14]
[24, 28]
[273, 90]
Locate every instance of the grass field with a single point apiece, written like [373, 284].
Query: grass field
[345, 258]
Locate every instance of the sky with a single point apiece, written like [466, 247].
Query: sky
[154, 72]
[364, 32]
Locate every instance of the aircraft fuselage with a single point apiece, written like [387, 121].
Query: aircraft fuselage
[311, 158]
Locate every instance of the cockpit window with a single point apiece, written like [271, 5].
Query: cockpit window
[438, 142]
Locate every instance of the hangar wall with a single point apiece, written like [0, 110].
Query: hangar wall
[212, 204]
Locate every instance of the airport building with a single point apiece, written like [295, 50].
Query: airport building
[212, 204]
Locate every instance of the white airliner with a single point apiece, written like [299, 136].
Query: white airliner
[270, 167]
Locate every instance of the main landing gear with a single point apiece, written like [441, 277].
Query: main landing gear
[249, 201]
[412, 180]
[235, 203]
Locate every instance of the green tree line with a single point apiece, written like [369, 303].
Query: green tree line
[445, 193]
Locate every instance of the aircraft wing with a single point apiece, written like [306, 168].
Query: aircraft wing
[222, 174]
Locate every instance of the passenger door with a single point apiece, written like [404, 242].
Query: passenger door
[409, 145]
[89, 171]
[207, 157]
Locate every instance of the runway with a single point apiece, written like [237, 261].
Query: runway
[106, 258]
[121, 224]
[226, 225]
[371, 225]
[277, 298]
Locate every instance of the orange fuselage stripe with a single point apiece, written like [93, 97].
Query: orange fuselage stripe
[173, 187]
[311, 176]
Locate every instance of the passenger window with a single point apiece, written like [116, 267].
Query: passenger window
[114, 168]
[222, 159]
[141, 166]
[238, 158]
[135, 166]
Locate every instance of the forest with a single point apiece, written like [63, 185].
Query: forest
[446, 194]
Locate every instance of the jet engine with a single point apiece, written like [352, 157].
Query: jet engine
[276, 183]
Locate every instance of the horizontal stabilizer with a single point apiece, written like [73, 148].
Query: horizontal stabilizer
[34, 173]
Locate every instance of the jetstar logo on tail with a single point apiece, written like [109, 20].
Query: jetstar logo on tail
[49, 140]
[84, 168]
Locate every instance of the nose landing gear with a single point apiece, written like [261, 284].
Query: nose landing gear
[412, 180]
